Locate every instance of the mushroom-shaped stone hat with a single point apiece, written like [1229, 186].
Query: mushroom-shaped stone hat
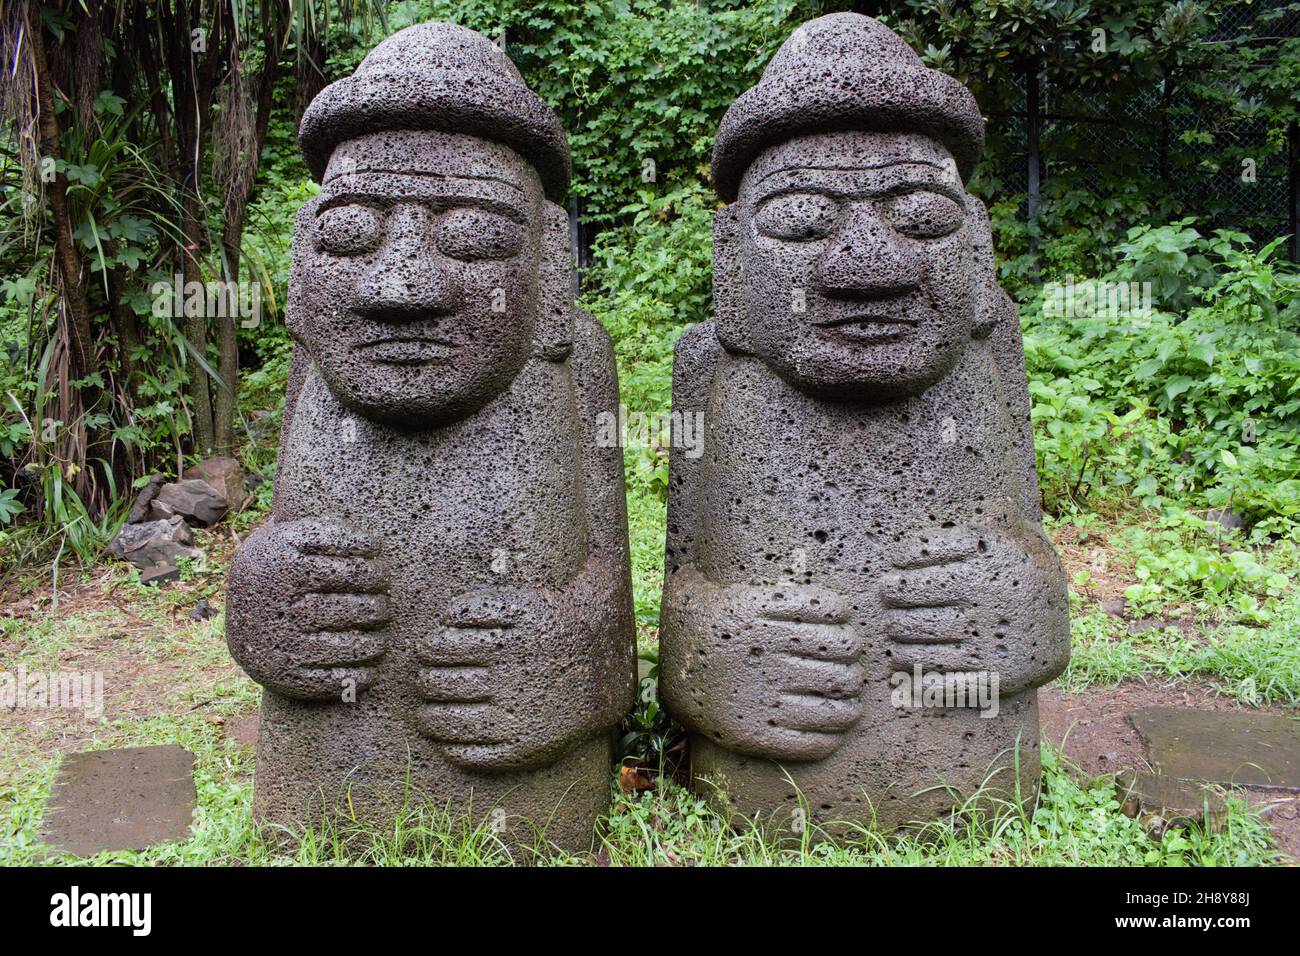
[438, 76]
[841, 72]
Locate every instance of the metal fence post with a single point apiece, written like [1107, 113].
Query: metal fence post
[1031, 110]
[1293, 184]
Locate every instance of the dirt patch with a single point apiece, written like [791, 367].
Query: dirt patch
[243, 730]
[1107, 580]
[1093, 730]
[148, 656]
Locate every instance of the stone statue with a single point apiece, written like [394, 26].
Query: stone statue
[861, 540]
[440, 607]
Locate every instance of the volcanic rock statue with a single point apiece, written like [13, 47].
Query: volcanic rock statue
[859, 599]
[440, 608]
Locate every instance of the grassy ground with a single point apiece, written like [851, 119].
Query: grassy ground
[168, 679]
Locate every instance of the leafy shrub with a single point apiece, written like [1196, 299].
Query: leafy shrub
[1197, 405]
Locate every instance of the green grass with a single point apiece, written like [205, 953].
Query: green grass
[1074, 823]
[1255, 665]
[647, 517]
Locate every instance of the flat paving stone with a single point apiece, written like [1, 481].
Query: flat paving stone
[1248, 750]
[1161, 802]
[124, 799]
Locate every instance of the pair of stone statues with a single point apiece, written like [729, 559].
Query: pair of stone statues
[440, 607]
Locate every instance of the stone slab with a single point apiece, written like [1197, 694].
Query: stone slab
[1161, 801]
[124, 799]
[1249, 750]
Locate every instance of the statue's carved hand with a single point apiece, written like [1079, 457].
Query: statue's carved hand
[507, 681]
[979, 599]
[771, 670]
[307, 609]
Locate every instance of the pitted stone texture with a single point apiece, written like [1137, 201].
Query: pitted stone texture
[839, 72]
[443, 598]
[438, 76]
[866, 503]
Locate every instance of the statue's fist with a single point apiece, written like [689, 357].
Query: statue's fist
[307, 609]
[507, 682]
[979, 599]
[773, 670]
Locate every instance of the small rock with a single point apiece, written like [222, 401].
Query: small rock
[194, 500]
[226, 475]
[140, 510]
[121, 799]
[202, 611]
[1229, 519]
[154, 543]
[253, 482]
[1115, 608]
[160, 574]
[1234, 748]
[161, 512]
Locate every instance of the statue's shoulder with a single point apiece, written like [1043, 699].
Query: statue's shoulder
[697, 350]
[592, 356]
[591, 361]
[590, 337]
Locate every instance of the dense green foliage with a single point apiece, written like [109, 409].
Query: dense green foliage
[1155, 429]
[1189, 90]
[1180, 409]
[1195, 401]
[640, 86]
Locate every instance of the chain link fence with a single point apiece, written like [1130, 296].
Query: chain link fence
[1187, 138]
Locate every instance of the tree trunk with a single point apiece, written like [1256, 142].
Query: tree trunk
[196, 329]
[75, 313]
[193, 76]
[66, 254]
[125, 330]
[233, 234]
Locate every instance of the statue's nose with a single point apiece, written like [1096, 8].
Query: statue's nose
[410, 280]
[866, 259]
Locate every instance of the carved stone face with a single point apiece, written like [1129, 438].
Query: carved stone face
[855, 256]
[416, 274]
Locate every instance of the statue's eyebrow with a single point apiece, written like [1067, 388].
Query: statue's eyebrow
[422, 174]
[905, 182]
[803, 168]
[377, 186]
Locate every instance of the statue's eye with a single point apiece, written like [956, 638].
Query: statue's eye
[348, 230]
[797, 217]
[923, 214]
[471, 234]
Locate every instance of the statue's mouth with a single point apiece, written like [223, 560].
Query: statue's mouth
[409, 350]
[870, 329]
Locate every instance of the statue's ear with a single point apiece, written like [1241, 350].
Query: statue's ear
[990, 300]
[301, 255]
[553, 337]
[731, 317]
